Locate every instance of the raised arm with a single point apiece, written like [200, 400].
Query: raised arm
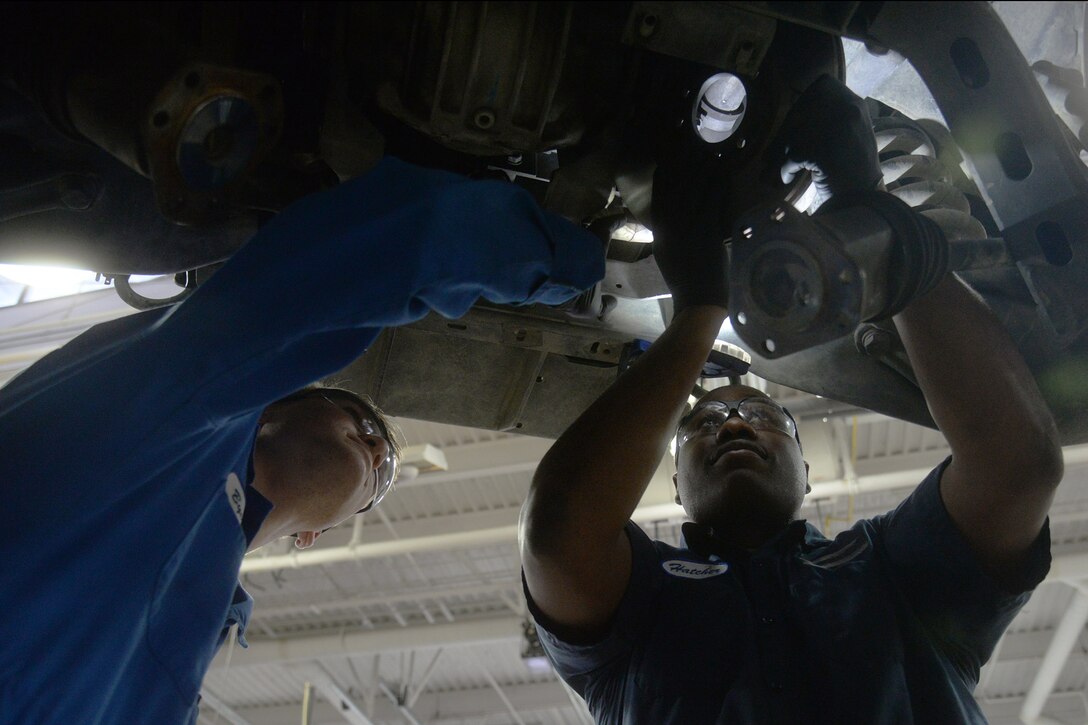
[1006, 457]
[307, 295]
[301, 300]
[575, 554]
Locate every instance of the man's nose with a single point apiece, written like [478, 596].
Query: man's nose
[735, 427]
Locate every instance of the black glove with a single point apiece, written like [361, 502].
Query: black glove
[690, 225]
[829, 132]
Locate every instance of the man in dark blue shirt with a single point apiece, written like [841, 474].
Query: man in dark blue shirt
[144, 458]
[757, 618]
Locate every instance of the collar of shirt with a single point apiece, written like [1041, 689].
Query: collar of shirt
[241, 606]
[257, 509]
[701, 539]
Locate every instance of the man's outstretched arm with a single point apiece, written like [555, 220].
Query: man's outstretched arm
[1006, 459]
[575, 554]
[1006, 456]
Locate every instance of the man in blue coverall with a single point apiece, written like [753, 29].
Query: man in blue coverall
[756, 617]
[143, 459]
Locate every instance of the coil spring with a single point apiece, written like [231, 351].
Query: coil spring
[918, 169]
[920, 165]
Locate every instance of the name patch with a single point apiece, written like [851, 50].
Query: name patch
[692, 569]
[236, 496]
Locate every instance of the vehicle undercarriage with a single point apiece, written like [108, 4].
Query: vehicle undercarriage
[158, 140]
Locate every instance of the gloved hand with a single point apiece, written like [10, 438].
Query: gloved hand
[690, 226]
[829, 132]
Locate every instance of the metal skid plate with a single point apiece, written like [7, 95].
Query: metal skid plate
[531, 371]
[495, 368]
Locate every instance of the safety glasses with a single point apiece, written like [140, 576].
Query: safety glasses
[759, 412]
[386, 472]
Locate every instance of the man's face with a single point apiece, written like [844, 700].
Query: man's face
[328, 446]
[734, 474]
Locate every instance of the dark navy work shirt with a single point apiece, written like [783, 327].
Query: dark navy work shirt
[125, 456]
[888, 623]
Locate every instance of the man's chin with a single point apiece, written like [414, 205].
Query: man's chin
[740, 493]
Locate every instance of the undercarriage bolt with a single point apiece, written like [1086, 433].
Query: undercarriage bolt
[873, 341]
[484, 119]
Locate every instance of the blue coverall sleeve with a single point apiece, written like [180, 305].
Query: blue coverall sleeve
[312, 289]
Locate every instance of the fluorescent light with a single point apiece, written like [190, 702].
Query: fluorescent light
[44, 282]
[35, 276]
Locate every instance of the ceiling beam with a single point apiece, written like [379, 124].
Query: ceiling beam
[1065, 638]
[477, 703]
[209, 699]
[402, 706]
[261, 560]
[443, 634]
[339, 699]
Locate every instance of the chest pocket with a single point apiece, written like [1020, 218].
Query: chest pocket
[192, 595]
[699, 638]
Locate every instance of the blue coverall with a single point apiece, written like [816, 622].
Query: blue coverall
[118, 452]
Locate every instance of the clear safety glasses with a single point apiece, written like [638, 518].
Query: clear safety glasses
[386, 472]
[759, 412]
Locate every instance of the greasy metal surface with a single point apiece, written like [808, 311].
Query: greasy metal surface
[175, 161]
[713, 34]
[485, 78]
[476, 371]
[530, 373]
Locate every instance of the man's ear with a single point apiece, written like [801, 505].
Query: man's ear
[808, 486]
[379, 449]
[306, 539]
[677, 498]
